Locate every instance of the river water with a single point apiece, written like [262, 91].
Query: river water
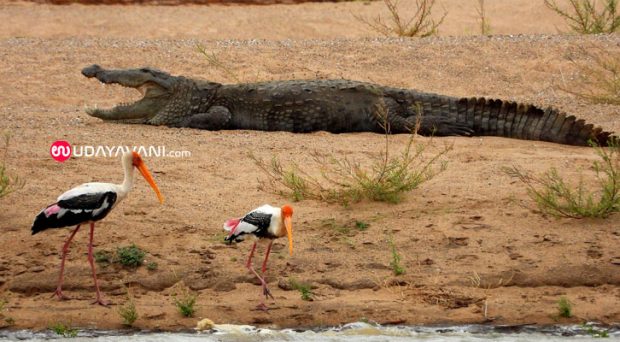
[354, 332]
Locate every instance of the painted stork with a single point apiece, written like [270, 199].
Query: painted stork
[265, 222]
[88, 203]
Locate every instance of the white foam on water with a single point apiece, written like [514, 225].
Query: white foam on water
[353, 332]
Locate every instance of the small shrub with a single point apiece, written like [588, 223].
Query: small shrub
[361, 225]
[345, 181]
[151, 266]
[419, 25]
[185, 305]
[584, 16]
[554, 196]
[131, 256]
[3, 303]
[304, 289]
[564, 308]
[599, 77]
[64, 330]
[128, 313]
[9, 320]
[397, 268]
[8, 183]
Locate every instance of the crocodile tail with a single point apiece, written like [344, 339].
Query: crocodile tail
[525, 121]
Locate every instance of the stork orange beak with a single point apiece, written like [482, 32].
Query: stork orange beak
[149, 179]
[288, 224]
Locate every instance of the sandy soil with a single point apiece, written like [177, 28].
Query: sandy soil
[470, 222]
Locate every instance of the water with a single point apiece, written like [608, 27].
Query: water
[355, 332]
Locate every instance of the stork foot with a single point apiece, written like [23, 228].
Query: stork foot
[101, 302]
[262, 307]
[58, 293]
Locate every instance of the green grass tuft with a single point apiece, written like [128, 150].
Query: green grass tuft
[151, 266]
[64, 330]
[304, 289]
[395, 263]
[554, 196]
[130, 256]
[186, 304]
[128, 313]
[565, 308]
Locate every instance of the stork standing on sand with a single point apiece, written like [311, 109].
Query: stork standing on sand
[265, 222]
[88, 203]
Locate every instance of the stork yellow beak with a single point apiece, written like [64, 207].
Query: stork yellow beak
[288, 224]
[149, 179]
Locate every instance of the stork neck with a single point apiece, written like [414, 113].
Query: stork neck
[128, 180]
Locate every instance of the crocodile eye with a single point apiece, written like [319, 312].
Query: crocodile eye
[146, 70]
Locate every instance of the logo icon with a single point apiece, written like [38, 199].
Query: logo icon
[60, 150]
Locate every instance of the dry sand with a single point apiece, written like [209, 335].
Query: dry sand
[470, 222]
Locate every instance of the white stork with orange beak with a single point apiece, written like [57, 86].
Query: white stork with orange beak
[265, 222]
[88, 203]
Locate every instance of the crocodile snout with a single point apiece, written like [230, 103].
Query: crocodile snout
[91, 71]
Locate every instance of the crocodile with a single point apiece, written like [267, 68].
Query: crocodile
[335, 105]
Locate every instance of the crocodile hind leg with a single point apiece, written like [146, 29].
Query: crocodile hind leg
[216, 118]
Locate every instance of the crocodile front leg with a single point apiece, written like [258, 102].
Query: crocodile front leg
[216, 118]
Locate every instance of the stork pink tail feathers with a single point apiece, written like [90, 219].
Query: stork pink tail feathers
[231, 225]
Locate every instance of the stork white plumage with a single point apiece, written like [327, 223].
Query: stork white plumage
[88, 203]
[265, 222]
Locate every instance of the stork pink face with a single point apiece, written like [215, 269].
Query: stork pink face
[139, 164]
[287, 217]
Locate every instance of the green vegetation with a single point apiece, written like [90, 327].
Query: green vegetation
[128, 313]
[594, 332]
[304, 289]
[565, 308]
[556, 197]
[130, 256]
[8, 183]
[185, 304]
[485, 26]
[103, 258]
[387, 179]
[64, 330]
[584, 16]
[344, 228]
[215, 62]
[421, 24]
[361, 225]
[599, 77]
[397, 268]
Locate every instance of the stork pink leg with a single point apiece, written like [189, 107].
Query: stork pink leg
[266, 291]
[264, 268]
[65, 251]
[92, 266]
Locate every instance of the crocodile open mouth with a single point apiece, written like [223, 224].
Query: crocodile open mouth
[147, 92]
[152, 84]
